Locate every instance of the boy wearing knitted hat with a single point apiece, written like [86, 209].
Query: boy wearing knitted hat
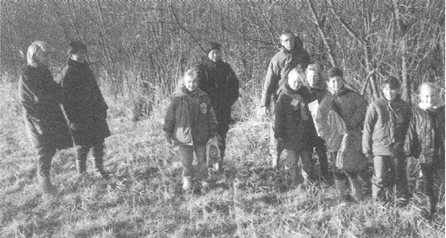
[385, 127]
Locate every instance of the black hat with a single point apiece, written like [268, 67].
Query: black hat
[213, 46]
[393, 82]
[76, 46]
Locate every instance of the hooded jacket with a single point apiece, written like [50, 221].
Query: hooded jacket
[40, 97]
[190, 117]
[219, 82]
[350, 105]
[282, 63]
[83, 103]
[293, 122]
[425, 137]
[385, 126]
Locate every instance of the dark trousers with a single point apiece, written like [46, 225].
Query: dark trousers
[389, 171]
[97, 150]
[321, 151]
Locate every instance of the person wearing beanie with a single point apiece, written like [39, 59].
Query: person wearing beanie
[385, 128]
[85, 109]
[425, 141]
[291, 55]
[347, 107]
[219, 82]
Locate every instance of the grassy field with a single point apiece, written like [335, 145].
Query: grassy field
[144, 199]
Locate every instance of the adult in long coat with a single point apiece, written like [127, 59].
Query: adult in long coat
[219, 82]
[45, 123]
[85, 108]
[291, 55]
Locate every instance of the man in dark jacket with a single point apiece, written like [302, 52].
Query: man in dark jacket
[85, 108]
[291, 54]
[425, 140]
[219, 82]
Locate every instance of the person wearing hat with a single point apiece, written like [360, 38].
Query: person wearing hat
[291, 54]
[85, 109]
[45, 123]
[385, 128]
[219, 82]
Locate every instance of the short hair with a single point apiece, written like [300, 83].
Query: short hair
[335, 71]
[33, 49]
[287, 32]
[193, 73]
[318, 68]
[393, 82]
[76, 46]
[429, 85]
[299, 71]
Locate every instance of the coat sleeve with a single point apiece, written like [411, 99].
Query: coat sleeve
[212, 122]
[412, 145]
[233, 93]
[271, 81]
[280, 119]
[322, 118]
[169, 119]
[369, 125]
[359, 109]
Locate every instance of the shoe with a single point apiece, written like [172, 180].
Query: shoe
[187, 184]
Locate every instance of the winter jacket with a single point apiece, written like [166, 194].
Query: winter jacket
[190, 117]
[425, 137]
[350, 105]
[84, 104]
[293, 123]
[219, 82]
[281, 63]
[40, 96]
[385, 127]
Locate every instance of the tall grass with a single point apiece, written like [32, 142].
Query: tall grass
[144, 198]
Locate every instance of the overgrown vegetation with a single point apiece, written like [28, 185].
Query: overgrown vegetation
[138, 50]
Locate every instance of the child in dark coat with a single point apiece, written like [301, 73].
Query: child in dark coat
[425, 140]
[294, 127]
[189, 123]
[85, 109]
[385, 127]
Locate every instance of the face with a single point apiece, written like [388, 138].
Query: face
[215, 55]
[428, 96]
[294, 81]
[287, 41]
[312, 78]
[43, 57]
[390, 94]
[335, 83]
[190, 83]
[80, 56]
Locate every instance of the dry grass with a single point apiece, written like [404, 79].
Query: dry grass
[144, 199]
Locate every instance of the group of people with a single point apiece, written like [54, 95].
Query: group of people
[63, 114]
[310, 113]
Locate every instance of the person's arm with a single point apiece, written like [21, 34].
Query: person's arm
[169, 121]
[212, 122]
[280, 119]
[412, 145]
[271, 80]
[234, 85]
[369, 125]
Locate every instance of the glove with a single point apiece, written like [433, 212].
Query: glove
[169, 138]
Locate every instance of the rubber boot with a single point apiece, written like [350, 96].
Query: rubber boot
[341, 187]
[81, 160]
[356, 188]
[187, 184]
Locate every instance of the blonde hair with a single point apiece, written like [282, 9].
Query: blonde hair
[298, 71]
[429, 85]
[33, 49]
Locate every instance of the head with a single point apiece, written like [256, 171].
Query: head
[191, 79]
[428, 94]
[38, 54]
[214, 51]
[287, 40]
[314, 74]
[296, 78]
[335, 81]
[391, 88]
[78, 51]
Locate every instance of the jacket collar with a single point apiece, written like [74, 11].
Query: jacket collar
[184, 92]
[74, 63]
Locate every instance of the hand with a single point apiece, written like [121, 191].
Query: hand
[169, 138]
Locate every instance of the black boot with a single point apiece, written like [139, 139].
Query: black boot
[81, 160]
[98, 154]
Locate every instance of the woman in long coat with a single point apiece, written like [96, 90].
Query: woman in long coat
[45, 123]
